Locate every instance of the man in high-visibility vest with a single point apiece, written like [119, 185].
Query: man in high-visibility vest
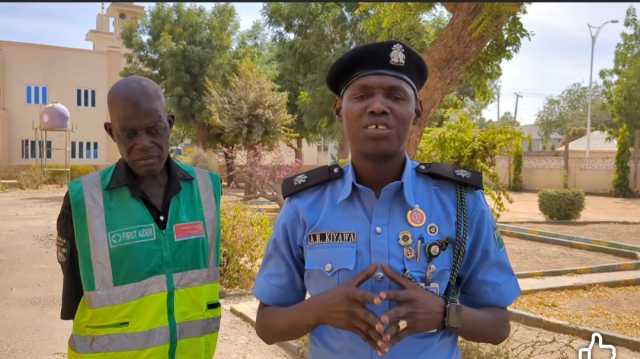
[139, 242]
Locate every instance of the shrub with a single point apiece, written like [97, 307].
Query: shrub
[31, 178]
[3, 188]
[77, 171]
[621, 185]
[561, 204]
[207, 160]
[245, 233]
[516, 178]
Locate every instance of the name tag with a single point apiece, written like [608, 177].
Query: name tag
[184, 231]
[132, 235]
[318, 238]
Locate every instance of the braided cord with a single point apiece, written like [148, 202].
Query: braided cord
[452, 292]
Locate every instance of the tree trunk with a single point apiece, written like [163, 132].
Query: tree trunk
[565, 178]
[253, 157]
[448, 57]
[298, 150]
[230, 164]
[636, 159]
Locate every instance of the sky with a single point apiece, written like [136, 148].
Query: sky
[556, 56]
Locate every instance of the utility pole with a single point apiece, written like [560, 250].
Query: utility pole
[593, 44]
[515, 113]
[498, 102]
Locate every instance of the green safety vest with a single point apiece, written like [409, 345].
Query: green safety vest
[148, 293]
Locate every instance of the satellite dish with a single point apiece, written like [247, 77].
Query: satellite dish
[54, 117]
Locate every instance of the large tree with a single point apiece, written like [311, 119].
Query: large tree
[181, 47]
[622, 93]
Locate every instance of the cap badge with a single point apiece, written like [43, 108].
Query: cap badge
[397, 55]
[462, 173]
[300, 179]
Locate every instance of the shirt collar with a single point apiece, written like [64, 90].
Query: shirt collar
[123, 176]
[407, 181]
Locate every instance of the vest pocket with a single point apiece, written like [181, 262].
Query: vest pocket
[108, 325]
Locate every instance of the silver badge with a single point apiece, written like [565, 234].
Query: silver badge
[397, 55]
[300, 179]
[462, 173]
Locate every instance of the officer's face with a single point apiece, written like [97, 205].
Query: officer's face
[377, 112]
[141, 132]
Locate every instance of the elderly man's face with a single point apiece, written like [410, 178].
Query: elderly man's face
[141, 130]
[377, 112]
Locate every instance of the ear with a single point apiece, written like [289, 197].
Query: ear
[171, 119]
[337, 109]
[109, 129]
[419, 110]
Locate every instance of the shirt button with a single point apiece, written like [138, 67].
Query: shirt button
[379, 276]
[328, 267]
[378, 230]
[162, 218]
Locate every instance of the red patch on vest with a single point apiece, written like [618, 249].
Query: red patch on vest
[189, 230]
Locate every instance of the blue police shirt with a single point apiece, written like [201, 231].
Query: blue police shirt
[360, 230]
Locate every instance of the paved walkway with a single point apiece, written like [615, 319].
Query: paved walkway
[597, 208]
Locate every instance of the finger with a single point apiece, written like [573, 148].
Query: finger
[400, 296]
[361, 296]
[364, 275]
[394, 315]
[366, 316]
[361, 328]
[398, 279]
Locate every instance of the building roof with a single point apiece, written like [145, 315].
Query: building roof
[599, 142]
[534, 132]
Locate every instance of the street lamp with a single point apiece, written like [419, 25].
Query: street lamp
[593, 44]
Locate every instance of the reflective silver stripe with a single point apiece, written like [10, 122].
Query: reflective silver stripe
[209, 209]
[198, 328]
[126, 293]
[92, 190]
[119, 342]
[196, 277]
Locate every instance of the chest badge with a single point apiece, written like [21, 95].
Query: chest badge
[416, 217]
[432, 229]
[404, 239]
[409, 253]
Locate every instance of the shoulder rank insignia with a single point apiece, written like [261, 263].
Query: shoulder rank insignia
[311, 178]
[448, 172]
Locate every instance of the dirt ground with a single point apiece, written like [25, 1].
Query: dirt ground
[611, 309]
[32, 282]
[596, 208]
[625, 233]
[526, 255]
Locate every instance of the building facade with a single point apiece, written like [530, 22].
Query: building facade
[33, 75]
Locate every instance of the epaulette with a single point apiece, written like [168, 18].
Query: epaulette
[448, 172]
[311, 178]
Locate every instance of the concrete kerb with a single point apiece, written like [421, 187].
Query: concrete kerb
[617, 267]
[557, 326]
[293, 348]
[632, 254]
[606, 283]
[598, 242]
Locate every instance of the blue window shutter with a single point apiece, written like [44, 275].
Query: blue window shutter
[29, 94]
[95, 150]
[45, 99]
[80, 149]
[36, 95]
[48, 150]
[73, 149]
[22, 149]
[86, 98]
[88, 151]
[93, 98]
[79, 97]
[32, 147]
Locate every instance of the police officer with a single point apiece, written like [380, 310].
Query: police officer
[399, 258]
[139, 242]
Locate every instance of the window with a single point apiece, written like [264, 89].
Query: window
[88, 151]
[73, 149]
[36, 95]
[30, 149]
[80, 149]
[85, 97]
[95, 150]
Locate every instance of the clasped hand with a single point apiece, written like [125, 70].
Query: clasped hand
[345, 308]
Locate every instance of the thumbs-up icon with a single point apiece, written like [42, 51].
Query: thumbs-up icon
[585, 353]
